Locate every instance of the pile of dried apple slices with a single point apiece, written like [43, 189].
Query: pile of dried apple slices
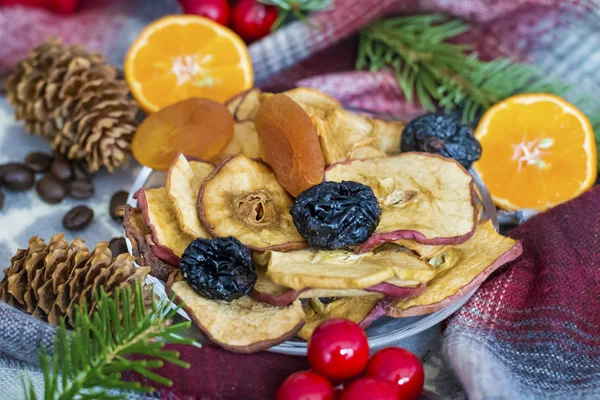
[311, 212]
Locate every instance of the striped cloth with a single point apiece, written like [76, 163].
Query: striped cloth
[533, 330]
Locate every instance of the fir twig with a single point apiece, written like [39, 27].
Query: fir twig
[440, 73]
[297, 8]
[88, 363]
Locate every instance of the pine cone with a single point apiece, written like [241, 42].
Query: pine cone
[26, 87]
[76, 101]
[47, 281]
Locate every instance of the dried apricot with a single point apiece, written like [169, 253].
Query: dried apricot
[289, 143]
[195, 127]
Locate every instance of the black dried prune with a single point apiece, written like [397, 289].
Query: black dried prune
[442, 134]
[218, 269]
[332, 215]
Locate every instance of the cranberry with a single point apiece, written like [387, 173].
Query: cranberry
[305, 385]
[400, 367]
[338, 349]
[217, 10]
[252, 20]
[369, 388]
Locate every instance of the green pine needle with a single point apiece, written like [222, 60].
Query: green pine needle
[89, 361]
[447, 75]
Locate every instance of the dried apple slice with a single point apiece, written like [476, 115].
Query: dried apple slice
[242, 325]
[136, 232]
[242, 198]
[183, 183]
[311, 100]
[245, 141]
[267, 291]
[340, 269]
[425, 251]
[168, 240]
[423, 197]
[353, 308]
[361, 153]
[474, 261]
[244, 105]
[342, 133]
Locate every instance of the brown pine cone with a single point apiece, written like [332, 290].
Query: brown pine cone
[76, 101]
[27, 87]
[48, 281]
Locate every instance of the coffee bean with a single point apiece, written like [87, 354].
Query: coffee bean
[81, 189]
[61, 169]
[17, 177]
[80, 170]
[51, 189]
[118, 199]
[6, 167]
[78, 218]
[117, 246]
[38, 162]
[1, 200]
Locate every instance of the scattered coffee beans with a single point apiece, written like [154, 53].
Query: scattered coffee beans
[117, 246]
[81, 189]
[51, 189]
[38, 162]
[78, 218]
[17, 177]
[118, 199]
[80, 170]
[61, 169]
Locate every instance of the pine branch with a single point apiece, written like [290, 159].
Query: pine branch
[297, 8]
[441, 74]
[88, 362]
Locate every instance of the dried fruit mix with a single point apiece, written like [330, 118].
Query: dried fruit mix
[388, 234]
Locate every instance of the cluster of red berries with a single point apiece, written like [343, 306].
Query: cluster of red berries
[338, 352]
[250, 19]
[58, 6]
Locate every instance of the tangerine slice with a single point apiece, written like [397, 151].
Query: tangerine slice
[182, 56]
[538, 151]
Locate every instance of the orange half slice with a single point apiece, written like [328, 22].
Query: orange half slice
[538, 151]
[182, 56]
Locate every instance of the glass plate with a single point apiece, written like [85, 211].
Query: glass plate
[382, 332]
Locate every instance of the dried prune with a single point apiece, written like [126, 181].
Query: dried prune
[333, 215]
[218, 269]
[442, 134]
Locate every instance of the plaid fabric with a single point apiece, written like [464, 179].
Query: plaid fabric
[532, 331]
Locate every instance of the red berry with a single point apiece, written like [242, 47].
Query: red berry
[401, 367]
[62, 6]
[217, 10]
[252, 20]
[28, 3]
[305, 385]
[369, 388]
[338, 349]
